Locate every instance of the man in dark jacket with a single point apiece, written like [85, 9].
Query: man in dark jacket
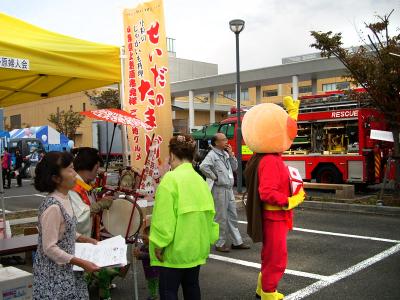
[18, 166]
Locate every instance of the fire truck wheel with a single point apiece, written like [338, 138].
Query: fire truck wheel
[329, 174]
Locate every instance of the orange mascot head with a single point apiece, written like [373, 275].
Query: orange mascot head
[268, 128]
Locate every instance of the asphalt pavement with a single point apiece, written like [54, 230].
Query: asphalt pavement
[22, 198]
[332, 255]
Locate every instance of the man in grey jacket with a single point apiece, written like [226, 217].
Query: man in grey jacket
[219, 165]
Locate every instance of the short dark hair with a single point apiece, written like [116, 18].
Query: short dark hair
[50, 166]
[183, 147]
[86, 159]
[214, 139]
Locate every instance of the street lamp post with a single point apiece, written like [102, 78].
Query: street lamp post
[237, 27]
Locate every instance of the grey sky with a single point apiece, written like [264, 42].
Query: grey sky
[274, 28]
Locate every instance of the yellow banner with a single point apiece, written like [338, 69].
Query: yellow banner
[147, 90]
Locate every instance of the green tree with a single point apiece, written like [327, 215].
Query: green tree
[67, 122]
[105, 99]
[375, 67]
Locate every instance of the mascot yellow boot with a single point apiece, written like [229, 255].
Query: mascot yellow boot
[268, 131]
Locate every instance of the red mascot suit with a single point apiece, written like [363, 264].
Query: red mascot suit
[273, 192]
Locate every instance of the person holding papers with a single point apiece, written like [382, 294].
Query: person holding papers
[183, 228]
[53, 276]
[87, 163]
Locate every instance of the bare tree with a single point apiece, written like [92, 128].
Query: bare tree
[67, 122]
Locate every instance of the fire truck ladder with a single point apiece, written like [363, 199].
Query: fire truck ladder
[331, 102]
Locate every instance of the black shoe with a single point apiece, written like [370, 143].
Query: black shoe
[242, 246]
[222, 249]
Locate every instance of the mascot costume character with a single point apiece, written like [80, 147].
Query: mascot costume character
[273, 188]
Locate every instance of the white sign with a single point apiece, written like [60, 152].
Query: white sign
[381, 135]
[296, 182]
[14, 63]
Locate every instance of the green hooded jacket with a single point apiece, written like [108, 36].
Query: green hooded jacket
[183, 220]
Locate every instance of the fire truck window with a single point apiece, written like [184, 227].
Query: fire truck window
[230, 133]
[228, 130]
[352, 137]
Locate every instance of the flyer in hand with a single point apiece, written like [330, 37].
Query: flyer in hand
[107, 253]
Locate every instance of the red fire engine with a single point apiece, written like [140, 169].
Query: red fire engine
[333, 144]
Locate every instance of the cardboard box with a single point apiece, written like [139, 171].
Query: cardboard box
[15, 284]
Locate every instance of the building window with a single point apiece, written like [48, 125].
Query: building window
[171, 45]
[303, 89]
[342, 85]
[244, 95]
[230, 95]
[335, 86]
[84, 106]
[270, 93]
[15, 121]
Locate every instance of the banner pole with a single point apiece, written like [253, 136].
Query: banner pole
[121, 87]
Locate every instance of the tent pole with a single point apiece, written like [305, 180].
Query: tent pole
[3, 206]
[121, 87]
[109, 150]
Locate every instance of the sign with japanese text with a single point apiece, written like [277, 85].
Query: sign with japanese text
[14, 63]
[151, 173]
[147, 95]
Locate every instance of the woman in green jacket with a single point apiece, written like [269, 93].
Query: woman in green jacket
[183, 227]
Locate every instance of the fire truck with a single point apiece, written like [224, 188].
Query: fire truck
[333, 143]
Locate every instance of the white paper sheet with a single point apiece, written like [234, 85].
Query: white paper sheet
[107, 253]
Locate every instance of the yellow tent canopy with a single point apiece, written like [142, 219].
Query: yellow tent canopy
[36, 63]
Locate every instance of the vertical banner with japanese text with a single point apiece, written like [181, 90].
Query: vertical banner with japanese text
[147, 90]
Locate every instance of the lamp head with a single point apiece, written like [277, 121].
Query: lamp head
[236, 26]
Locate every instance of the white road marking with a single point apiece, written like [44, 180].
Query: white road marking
[23, 221]
[346, 235]
[340, 234]
[315, 287]
[20, 196]
[258, 266]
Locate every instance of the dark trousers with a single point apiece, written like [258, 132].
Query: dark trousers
[6, 175]
[171, 279]
[19, 177]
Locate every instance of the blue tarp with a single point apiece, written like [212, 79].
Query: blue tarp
[4, 134]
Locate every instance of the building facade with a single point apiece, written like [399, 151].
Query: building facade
[199, 95]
